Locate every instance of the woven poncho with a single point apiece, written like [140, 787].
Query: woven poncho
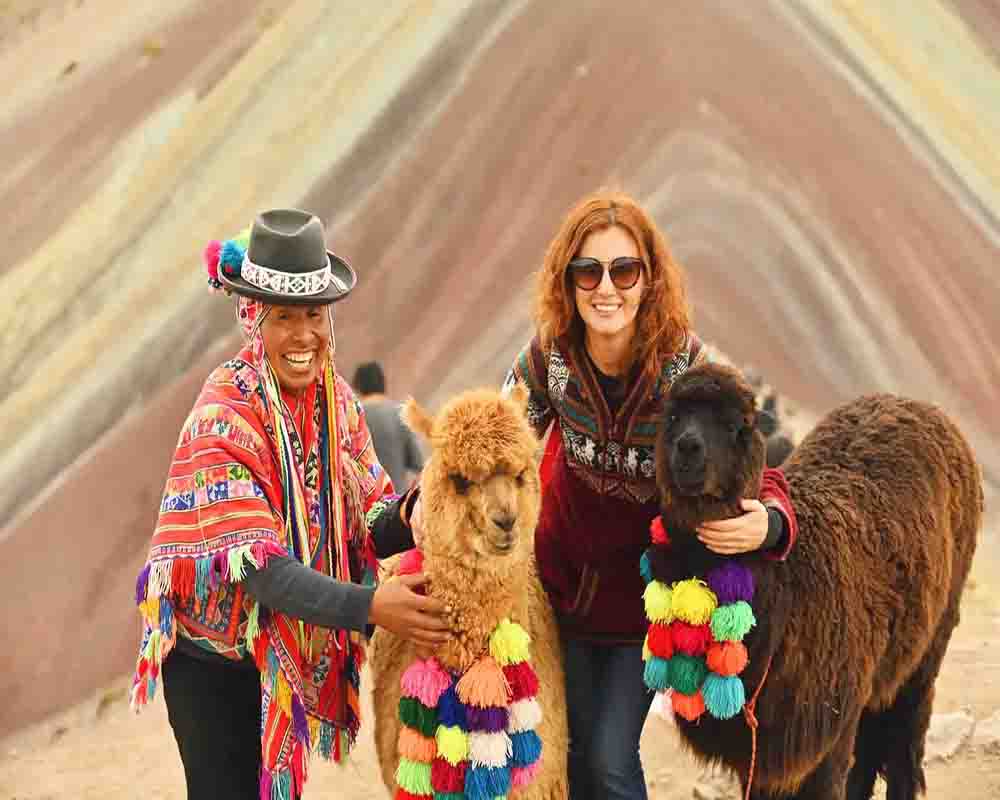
[248, 482]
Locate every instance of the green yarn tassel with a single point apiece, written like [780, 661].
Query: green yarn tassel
[449, 795]
[414, 777]
[731, 622]
[253, 624]
[657, 673]
[242, 238]
[724, 696]
[416, 715]
[687, 673]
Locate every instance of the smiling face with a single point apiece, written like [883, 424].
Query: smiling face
[297, 342]
[607, 311]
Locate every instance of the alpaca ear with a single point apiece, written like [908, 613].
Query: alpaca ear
[519, 395]
[416, 418]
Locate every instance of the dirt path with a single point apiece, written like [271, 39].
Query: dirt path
[100, 750]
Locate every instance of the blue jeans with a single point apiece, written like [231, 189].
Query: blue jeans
[607, 702]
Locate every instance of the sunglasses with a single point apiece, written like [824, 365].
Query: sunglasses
[589, 272]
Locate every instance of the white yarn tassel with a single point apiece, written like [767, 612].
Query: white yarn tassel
[525, 715]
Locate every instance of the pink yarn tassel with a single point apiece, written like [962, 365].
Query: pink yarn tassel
[426, 681]
[211, 257]
[522, 776]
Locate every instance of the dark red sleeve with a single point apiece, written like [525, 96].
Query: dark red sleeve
[775, 492]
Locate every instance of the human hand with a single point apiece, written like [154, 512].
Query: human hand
[399, 609]
[741, 534]
[417, 523]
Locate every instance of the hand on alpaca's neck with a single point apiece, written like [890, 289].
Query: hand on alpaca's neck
[685, 513]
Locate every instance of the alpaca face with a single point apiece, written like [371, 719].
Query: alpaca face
[709, 442]
[480, 487]
[500, 510]
[706, 446]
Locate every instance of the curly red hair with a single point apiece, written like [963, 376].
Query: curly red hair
[663, 318]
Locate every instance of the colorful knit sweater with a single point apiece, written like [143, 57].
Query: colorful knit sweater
[225, 506]
[599, 485]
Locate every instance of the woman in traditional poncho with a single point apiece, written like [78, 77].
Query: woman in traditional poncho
[259, 585]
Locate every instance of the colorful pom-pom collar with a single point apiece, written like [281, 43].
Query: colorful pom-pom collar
[470, 735]
[694, 645]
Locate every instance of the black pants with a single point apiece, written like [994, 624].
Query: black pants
[214, 710]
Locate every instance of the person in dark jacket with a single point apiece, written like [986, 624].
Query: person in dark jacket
[613, 332]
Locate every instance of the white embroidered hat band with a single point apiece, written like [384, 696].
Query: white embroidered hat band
[301, 284]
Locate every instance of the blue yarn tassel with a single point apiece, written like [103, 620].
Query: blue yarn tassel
[724, 695]
[451, 711]
[166, 616]
[657, 673]
[486, 783]
[527, 748]
[231, 259]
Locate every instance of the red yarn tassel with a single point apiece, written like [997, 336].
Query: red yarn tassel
[660, 640]
[446, 777]
[523, 680]
[402, 794]
[182, 578]
[693, 640]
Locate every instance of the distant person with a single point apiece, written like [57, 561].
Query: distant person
[397, 447]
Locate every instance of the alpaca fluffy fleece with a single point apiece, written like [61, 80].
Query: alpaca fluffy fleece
[482, 468]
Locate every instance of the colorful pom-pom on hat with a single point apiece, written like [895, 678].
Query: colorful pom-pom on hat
[211, 258]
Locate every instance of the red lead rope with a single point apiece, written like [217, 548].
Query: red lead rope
[748, 713]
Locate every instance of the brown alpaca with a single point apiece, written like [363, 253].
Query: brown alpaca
[481, 496]
[855, 623]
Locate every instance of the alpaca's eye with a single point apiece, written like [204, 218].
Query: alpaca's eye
[519, 480]
[462, 483]
[671, 420]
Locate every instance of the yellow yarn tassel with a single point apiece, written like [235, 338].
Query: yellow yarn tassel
[283, 694]
[452, 744]
[659, 602]
[509, 643]
[693, 601]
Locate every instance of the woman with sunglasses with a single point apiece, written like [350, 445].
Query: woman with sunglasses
[613, 332]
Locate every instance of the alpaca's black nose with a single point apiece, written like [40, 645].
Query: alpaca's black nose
[505, 522]
[690, 446]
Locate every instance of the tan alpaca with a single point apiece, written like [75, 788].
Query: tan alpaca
[480, 480]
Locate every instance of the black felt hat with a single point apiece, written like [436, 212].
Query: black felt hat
[287, 263]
